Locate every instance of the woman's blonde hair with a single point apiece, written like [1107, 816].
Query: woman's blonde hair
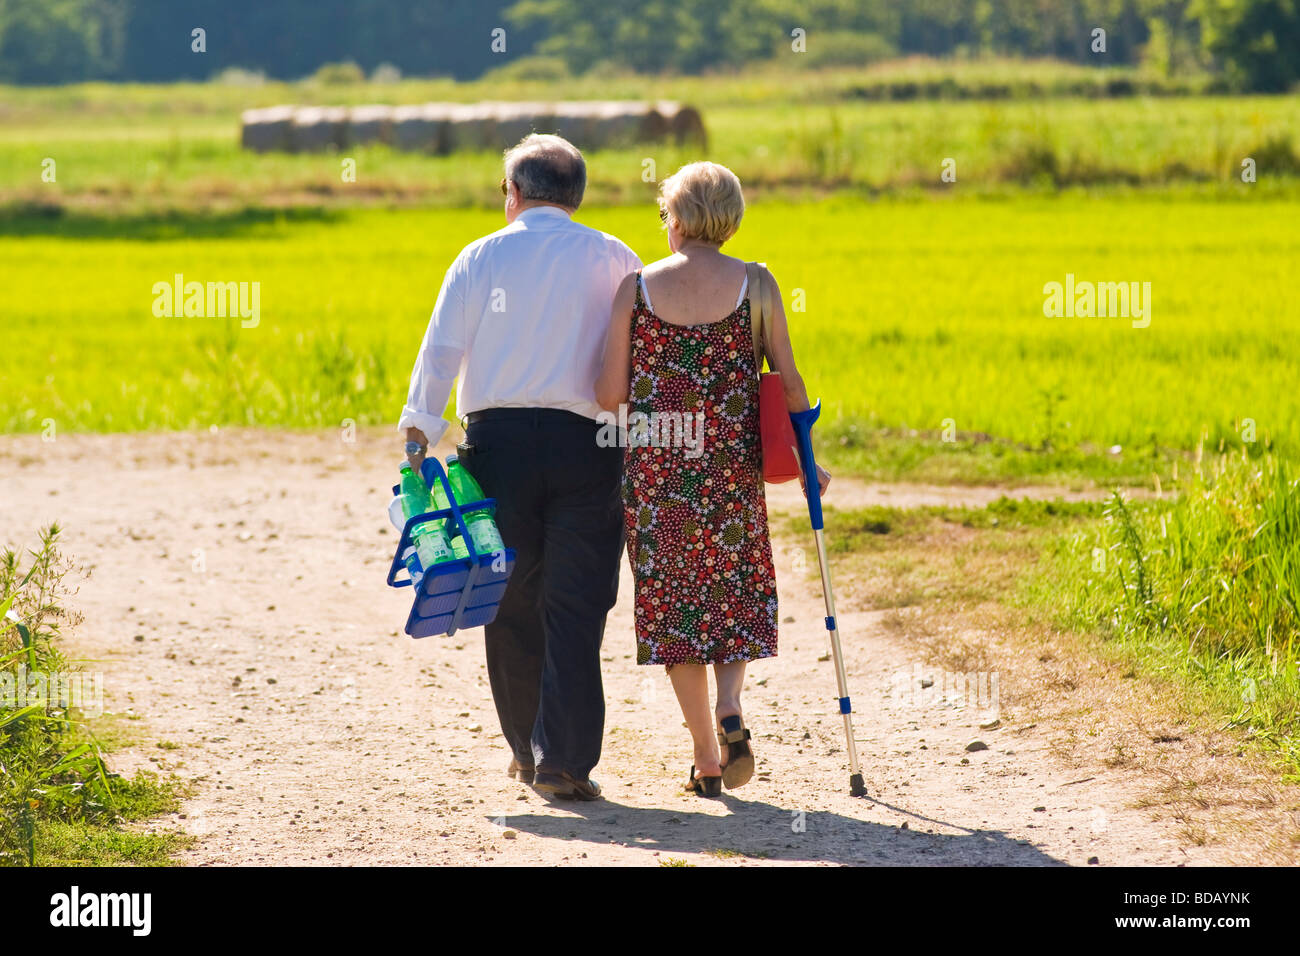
[704, 202]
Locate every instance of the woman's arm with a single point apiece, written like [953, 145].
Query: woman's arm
[780, 356]
[613, 385]
[780, 351]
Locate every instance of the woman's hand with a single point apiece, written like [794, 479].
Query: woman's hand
[823, 480]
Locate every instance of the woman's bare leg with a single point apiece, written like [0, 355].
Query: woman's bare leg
[691, 684]
[731, 680]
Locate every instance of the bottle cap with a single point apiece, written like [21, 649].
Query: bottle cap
[404, 464]
[452, 459]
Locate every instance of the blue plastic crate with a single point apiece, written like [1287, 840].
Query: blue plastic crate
[454, 594]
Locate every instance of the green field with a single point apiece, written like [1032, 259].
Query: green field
[793, 133]
[916, 312]
[923, 298]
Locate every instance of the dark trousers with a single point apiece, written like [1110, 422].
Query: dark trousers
[559, 506]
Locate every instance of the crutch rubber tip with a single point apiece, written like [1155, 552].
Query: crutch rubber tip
[856, 787]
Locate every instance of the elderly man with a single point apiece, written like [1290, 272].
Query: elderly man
[521, 318]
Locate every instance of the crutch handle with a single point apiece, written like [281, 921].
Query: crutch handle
[803, 423]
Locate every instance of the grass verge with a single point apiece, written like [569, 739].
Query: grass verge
[1194, 592]
[59, 802]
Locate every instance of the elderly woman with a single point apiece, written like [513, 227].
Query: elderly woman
[680, 350]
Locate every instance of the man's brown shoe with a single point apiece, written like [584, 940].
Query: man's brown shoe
[523, 772]
[565, 786]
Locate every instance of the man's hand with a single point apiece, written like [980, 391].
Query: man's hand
[416, 457]
[417, 461]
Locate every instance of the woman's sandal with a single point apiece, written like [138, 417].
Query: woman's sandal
[734, 740]
[704, 786]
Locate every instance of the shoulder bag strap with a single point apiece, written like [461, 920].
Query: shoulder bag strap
[758, 311]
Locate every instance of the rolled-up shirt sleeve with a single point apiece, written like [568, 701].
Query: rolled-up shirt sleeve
[439, 360]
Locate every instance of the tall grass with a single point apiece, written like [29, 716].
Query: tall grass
[53, 780]
[40, 775]
[1205, 585]
[1220, 569]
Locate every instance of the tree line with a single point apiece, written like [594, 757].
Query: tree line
[1253, 44]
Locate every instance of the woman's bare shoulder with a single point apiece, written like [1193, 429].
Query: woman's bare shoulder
[626, 287]
[666, 264]
[766, 273]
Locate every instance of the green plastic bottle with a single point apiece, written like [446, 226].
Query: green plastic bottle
[482, 529]
[458, 548]
[430, 538]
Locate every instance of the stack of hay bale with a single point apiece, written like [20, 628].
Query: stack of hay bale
[450, 127]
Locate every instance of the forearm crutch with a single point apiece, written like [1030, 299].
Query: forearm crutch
[803, 423]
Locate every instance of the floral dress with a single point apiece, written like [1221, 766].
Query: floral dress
[695, 514]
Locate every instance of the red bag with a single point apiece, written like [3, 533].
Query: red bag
[780, 451]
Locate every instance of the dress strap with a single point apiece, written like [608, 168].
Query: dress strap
[645, 295]
[744, 287]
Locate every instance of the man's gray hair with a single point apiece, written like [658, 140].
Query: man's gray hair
[547, 168]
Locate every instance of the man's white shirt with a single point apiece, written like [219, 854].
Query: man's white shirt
[521, 319]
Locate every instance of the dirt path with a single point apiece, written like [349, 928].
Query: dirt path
[236, 605]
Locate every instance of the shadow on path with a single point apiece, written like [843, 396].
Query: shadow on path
[762, 830]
